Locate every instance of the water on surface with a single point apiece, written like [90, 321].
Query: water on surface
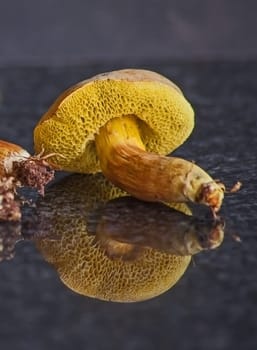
[214, 305]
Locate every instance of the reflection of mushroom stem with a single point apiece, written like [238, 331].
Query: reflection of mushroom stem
[124, 225]
[149, 176]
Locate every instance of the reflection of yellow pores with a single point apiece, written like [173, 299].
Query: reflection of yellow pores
[81, 263]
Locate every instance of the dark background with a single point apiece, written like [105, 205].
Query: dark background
[78, 31]
[209, 49]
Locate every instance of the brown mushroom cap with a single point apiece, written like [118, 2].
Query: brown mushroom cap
[82, 264]
[165, 118]
[10, 153]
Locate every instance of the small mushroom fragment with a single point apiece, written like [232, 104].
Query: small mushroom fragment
[155, 225]
[80, 259]
[26, 170]
[123, 123]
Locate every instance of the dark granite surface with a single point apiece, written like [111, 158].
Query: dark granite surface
[214, 305]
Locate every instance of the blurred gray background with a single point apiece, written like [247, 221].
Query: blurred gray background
[79, 31]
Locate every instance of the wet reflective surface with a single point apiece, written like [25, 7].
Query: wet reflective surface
[214, 305]
[111, 247]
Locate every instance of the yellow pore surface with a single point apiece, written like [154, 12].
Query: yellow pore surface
[81, 262]
[165, 118]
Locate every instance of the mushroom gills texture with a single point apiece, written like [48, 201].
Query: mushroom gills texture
[71, 123]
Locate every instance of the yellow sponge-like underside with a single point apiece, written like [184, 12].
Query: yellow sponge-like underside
[82, 264]
[70, 125]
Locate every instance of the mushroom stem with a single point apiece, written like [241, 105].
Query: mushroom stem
[149, 176]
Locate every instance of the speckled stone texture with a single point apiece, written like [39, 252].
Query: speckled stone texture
[214, 306]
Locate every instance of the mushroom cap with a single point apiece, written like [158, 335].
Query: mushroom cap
[9, 153]
[81, 263]
[165, 117]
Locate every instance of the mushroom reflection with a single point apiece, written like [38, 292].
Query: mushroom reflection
[84, 237]
[10, 234]
[155, 225]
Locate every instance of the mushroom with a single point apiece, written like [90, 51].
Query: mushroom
[124, 123]
[24, 169]
[81, 261]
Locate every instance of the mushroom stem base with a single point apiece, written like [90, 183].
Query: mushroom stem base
[33, 172]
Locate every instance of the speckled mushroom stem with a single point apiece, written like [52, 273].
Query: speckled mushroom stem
[149, 176]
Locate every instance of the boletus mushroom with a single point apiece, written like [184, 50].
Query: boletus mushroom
[124, 123]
